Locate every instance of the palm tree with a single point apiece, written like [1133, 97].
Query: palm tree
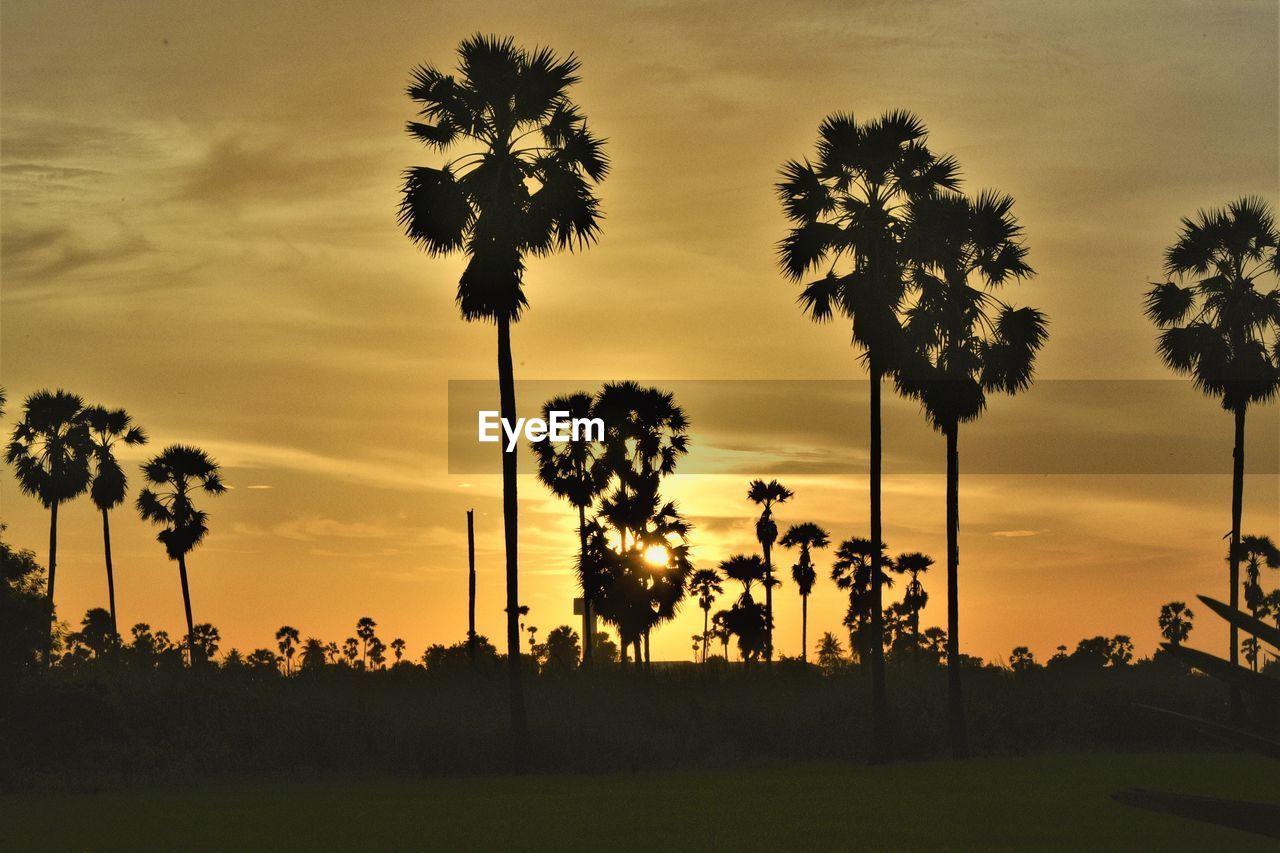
[1256, 552]
[182, 470]
[569, 469]
[365, 631]
[705, 583]
[49, 451]
[287, 639]
[523, 187]
[961, 344]
[852, 571]
[849, 207]
[1216, 330]
[107, 427]
[914, 597]
[746, 618]
[397, 648]
[807, 536]
[720, 628]
[767, 494]
[830, 653]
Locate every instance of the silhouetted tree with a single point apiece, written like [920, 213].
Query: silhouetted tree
[523, 186]
[605, 649]
[203, 641]
[849, 206]
[806, 536]
[720, 628]
[963, 343]
[287, 639]
[766, 495]
[746, 618]
[24, 609]
[830, 653]
[397, 648]
[377, 653]
[1223, 330]
[365, 631]
[935, 643]
[182, 470]
[561, 650]
[914, 597]
[107, 428]
[569, 469]
[705, 583]
[96, 635]
[314, 655]
[262, 662]
[49, 451]
[1175, 622]
[1022, 660]
[351, 650]
[1256, 552]
[852, 571]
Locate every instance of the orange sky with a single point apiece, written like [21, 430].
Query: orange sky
[197, 222]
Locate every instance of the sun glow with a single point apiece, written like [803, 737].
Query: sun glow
[656, 555]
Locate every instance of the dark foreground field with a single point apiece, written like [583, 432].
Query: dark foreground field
[1057, 802]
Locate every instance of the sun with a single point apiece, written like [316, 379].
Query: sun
[656, 555]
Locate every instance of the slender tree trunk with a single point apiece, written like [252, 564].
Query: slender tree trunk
[471, 585]
[53, 552]
[186, 605]
[507, 394]
[1237, 504]
[111, 582]
[706, 613]
[639, 656]
[955, 699]
[882, 750]
[804, 628]
[648, 661]
[587, 633]
[768, 603]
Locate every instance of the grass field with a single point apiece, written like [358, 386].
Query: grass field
[1047, 802]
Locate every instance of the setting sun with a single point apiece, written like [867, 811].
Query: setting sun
[656, 555]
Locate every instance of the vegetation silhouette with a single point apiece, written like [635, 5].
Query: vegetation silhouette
[523, 188]
[849, 205]
[181, 470]
[805, 536]
[1223, 330]
[706, 585]
[766, 495]
[107, 428]
[962, 343]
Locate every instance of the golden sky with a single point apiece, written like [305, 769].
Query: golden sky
[197, 222]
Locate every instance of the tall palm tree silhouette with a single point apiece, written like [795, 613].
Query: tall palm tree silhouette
[914, 597]
[848, 207]
[49, 451]
[705, 583]
[181, 470]
[806, 536]
[1223, 330]
[523, 187]
[570, 471]
[746, 618]
[287, 639]
[767, 494]
[962, 343]
[853, 571]
[107, 427]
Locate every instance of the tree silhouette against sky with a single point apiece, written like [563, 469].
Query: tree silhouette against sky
[962, 343]
[1221, 326]
[766, 495]
[107, 428]
[49, 451]
[178, 472]
[523, 186]
[847, 208]
[806, 536]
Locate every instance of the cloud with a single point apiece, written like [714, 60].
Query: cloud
[1019, 534]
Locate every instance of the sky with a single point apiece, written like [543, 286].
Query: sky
[197, 223]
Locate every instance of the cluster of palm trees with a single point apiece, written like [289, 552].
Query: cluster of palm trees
[899, 252]
[62, 448]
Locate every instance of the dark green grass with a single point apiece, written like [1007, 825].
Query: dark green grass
[1042, 802]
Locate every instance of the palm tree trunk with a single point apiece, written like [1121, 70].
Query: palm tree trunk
[1237, 504]
[471, 585]
[882, 749]
[111, 582]
[955, 699]
[507, 394]
[186, 604]
[647, 660]
[53, 552]
[768, 604]
[586, 596]
[804, 628]
[706, 613]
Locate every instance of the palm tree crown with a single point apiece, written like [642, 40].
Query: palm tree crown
[525, 184]
[1221, 329]
[183, 470]
[807, 536]
[107, 428]
[50, 448]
